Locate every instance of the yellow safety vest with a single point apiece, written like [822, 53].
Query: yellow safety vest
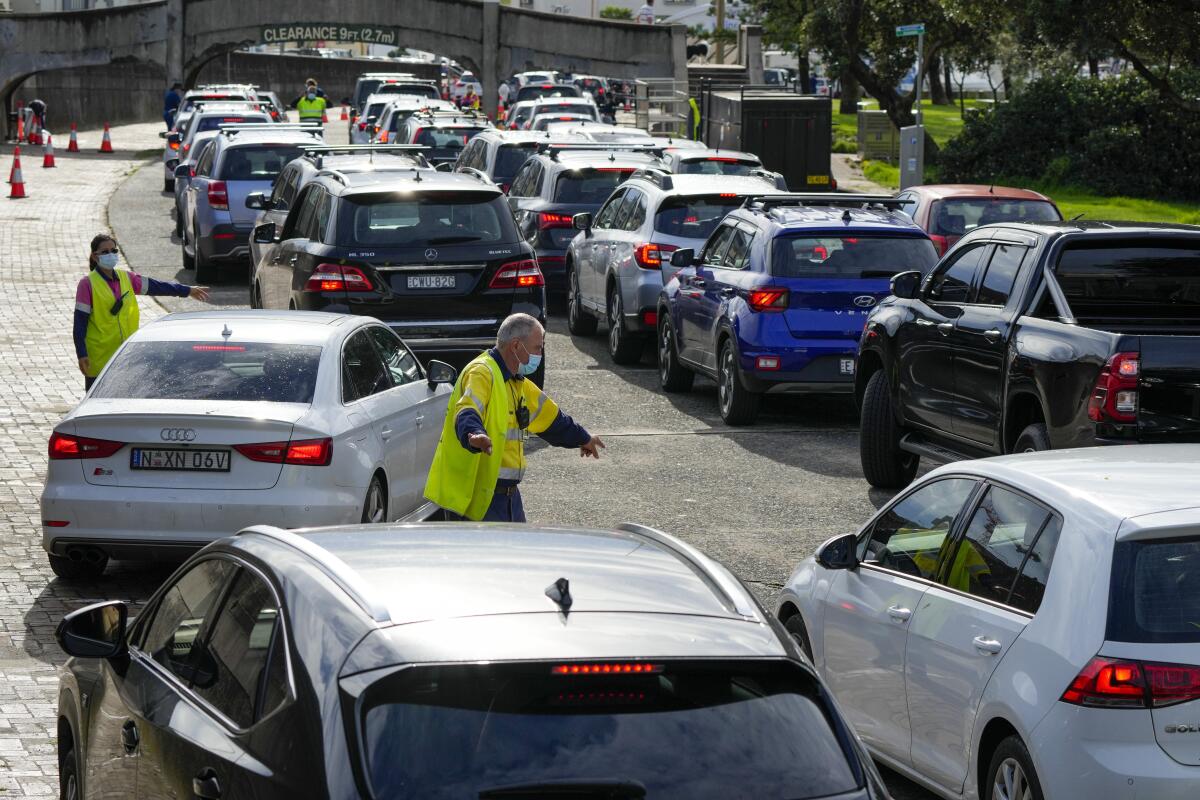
[107, 331]
[311, 109]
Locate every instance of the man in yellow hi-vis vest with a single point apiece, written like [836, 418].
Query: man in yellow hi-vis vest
[311, 105]
[480, 457]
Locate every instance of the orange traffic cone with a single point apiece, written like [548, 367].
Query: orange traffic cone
[48, 152]
[18, 183]
[106, 143]
[73, 145]
[344, 116]
[35, 137]
[324, 117]
[20, 126]
[16, 160]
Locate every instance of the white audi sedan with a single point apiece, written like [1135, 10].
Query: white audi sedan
[1021, 628]
[205, 423]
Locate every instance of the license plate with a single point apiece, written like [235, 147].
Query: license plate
[431, 281]
[847, 366]
[179, 460]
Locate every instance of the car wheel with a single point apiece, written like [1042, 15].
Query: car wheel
[168, 185]
[68, 569]
[375, 504]
[1011, 775]
[884, 464]
[799, 633]
[68, 775]
[204, 267]
[579, 322]
[189, 261]
[672, 376]
[1033, 439]
[738, 405]
[623, 347]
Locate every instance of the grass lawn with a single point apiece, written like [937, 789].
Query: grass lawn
[942, 122]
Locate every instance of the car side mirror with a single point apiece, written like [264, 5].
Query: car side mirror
[683, 257]
[440, 372]
[265, 233]
[256, 200]
[162, 134]
[183, 171]
[840, 552]
[906, 285]
[95, 631]
[582, 222]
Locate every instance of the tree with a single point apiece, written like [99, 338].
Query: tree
[615, 12]
[785, 25]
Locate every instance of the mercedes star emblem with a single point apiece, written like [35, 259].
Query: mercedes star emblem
[431, 254]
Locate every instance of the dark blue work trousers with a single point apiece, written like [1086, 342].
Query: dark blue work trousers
[504, 508]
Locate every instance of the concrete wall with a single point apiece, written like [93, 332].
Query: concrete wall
[129, 91]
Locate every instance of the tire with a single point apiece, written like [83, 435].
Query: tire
[68, 775]
[795, 626]
[70, 570]
[1010, 774]
[579, 322]
[375, 503]
[254, 296]
[623, 347]
[204, 267]
[1033, 439]
[737, 404]
[189, 262]
[672, 375]
[884, 464]
[168, 185]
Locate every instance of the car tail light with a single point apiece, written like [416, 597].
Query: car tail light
[769, 299]
[629, 668]
[55, 523]
[723, 160]
[649, 318]
[186, 147]
[650, 256]
[224, 235]
[1118, 683]
[66, 446]
[504, 187]
[546, 221]
[1115, 397]
[218, 196]
[303, 452]
[362, 126]
[338, 278]
[417, 134]
[551, 262]
[174, 145]
[940, 243]
[518, 274]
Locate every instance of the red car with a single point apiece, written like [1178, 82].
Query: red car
[949, 211]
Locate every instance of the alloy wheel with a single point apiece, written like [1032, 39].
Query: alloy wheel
[573, 298]
[725, 385]
[614, 321]
[72, 788]
[374, 512]
[1011, 783]
[664, 351]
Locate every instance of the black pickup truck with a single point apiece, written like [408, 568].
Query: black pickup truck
[1031, 337]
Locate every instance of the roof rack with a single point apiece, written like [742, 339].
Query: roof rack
[660, 178]
[230, 128]
[554, 148]
[769, 201]
[317, 153]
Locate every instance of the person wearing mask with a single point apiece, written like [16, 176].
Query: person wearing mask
[480, 457]
[171, 102]
[37, 107]
[311, 105]
[106, 306]
[470, 99]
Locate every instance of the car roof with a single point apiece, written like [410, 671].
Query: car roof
[715, 184]
[686, 153]
[579, 159]
[355, 163]
[941, 191]
[856, 220]
[402, 181]
[1098, 228]
[294, 327]
[550, 101]
[267, 137]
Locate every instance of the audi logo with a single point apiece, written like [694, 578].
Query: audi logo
[431, 254]
[864, 301]
[177, 435]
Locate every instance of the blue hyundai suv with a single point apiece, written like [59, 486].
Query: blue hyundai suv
[776, 299]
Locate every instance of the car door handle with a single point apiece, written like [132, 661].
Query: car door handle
[986, 645]
[420, 420]
[728, 291]
[925, 323]
[385, 434]
[899, 613]
[130, 737]
[992, 335]
[205, 784]
[699, 282]
[293, 260]
[944, 328]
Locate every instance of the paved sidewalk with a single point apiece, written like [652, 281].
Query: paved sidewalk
[847, 171]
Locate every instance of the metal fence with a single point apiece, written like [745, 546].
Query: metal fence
[661, 106]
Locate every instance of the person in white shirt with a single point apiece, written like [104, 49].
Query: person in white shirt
[645, 14]
[505, 90]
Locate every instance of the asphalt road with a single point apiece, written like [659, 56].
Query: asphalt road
[759, 499]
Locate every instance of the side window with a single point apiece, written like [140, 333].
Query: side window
[1035, 572]
[536, 174]
[908, 204]
[1001, 274]
[321, 218]
[520, 184]
[301, 216]
[363, 368]
[636, 203]
[738, 254]
[954, 282]
[607, 214]
[281, 189]
[401, 364]
[622, 215]
[205, 162]
[911, 535]
[232, 672]
[714, 251]
[182, 612]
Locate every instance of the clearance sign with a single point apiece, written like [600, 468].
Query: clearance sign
[320, 31]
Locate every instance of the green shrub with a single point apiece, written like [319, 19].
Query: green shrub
[615, 12]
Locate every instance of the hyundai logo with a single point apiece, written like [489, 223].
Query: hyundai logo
[430, 254]
[177, 435]
[864, 301]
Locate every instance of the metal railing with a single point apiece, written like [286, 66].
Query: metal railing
[662, 106]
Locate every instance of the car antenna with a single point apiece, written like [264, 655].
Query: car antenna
[226, 333]
[416, 175]
[1078, 216]
[560, 593]
[846, 215]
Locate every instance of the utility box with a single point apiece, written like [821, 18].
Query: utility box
[792, 133]
[912, 156]
[878, 138]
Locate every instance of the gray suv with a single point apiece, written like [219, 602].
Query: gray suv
[614, 267]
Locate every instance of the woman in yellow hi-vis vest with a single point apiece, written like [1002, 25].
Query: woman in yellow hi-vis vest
[480, 458]
[106, 309]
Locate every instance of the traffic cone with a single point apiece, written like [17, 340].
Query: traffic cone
[324, 117]
[73, 145]
[18, 183]
[106, 143]
[20, 126]
[16, 160]
[48, 152]
[344, 116]
[35, 137]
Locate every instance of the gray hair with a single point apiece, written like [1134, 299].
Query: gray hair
[516, 326]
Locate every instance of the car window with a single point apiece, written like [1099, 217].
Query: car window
[401, 364]
[364, 369]
[522, 182]
[258, 163]
[954, 282]
[738, 254]
[714, 252]
[231, 665]
[1002, 532]
[588, 185]
[957, 216]
[427, 218]
[1001, 274]
[908, 204]
[910, 536]
[634, 213]
[182, 612]
[283, 189]
[204, 164]
[300, 219]
[321, 218]
[622, 216]
[1155, 594]
[607, 214]
[1035, 572]
[853, 256]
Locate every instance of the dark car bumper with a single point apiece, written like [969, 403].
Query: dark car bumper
[821, 375]
[227, 243]
[553, 264]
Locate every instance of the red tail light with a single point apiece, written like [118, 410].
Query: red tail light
[650, 256]
[518, 274]
[417, 134]
[174, 145]
[632, 668]
[338, 278]
[303, 452]
[769, 299]
[940, 243]
[1116, 683]
[547, 221]
[723, 160]
[65, 446]
[218, 196]
[1115, 397]
[362, 126]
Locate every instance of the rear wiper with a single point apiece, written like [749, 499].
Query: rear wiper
[453, 239]
[614, 788]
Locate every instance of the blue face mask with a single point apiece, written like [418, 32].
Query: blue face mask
[312, 95]
[535, 361]
[107, 260]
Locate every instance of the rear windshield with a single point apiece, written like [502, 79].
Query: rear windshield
[586, 109]
[748, 729]
[367, 87]
[693, 217]
[717, 166]
[589, 185]
[1155, 595]
[446, 142]
[257, 163]
[190, 103]
[414, 89]
[280, 373]
[1148, 279]
[850, 256]
[212, 123]
[534, 92]
[436, 218]
[956, 217]
[374, 110]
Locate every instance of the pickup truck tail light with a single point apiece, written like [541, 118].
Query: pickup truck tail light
[1115, 397]
[518, 275]
[651, 256]
[338, 278]
[218, 196]
[1120, 683]
[769, 299]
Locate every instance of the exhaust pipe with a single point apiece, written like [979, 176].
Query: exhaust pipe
[85, 554]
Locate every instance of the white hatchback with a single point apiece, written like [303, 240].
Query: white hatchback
[205, 423]
[1023, 627]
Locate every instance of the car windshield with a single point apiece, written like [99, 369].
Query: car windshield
[434, 218]
[412, 89]
[257, 163]
[447, 142]
[225, 370]
[750, 729]
[694, 217]
[956, 217]
[850, 256]
[509, 159]
[716, 165]
[589, 185]
[1155, 595]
